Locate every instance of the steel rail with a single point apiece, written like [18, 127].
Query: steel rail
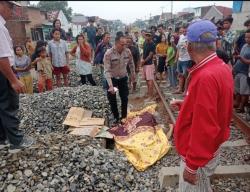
[168, 109]
[242, 124]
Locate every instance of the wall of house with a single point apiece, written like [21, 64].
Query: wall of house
[240, 18]
[64, 22]
[17, 31]
[213, 13]
[76, 29]
[36, 17]
[197, 12]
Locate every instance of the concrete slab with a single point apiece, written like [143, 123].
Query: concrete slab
[169, 176]
[237, 143]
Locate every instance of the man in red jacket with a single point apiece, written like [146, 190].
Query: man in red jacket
[205, 114]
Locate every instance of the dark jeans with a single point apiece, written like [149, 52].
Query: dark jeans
[122, 85]
[9, 104]
[89, 77]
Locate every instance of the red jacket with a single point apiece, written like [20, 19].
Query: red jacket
[205, 115]
[85, 52]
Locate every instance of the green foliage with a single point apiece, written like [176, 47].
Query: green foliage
[56, 5]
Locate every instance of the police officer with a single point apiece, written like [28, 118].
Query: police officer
[116, 61]
[10, 86]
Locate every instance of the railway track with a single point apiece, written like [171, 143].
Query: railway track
[243, 125]
[235, 152]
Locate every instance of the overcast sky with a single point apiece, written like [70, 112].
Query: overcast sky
[129, 11]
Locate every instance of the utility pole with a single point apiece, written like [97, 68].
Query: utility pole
[171, 10]
[150, 20]
[162, 9]
[172, 15]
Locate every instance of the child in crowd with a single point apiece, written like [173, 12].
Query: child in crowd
[44, 69]
[241, 72]
[170, 63]
[58, 52]
[29, 46]
[35, 58]
[161, 50]
[22, 67]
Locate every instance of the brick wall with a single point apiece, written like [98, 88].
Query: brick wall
[23, 20]
[17, 32]
[36, 18]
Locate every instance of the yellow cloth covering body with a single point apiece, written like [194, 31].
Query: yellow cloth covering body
[143, 145]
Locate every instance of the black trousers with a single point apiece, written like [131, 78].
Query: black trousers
[9, 104]
[122, 85]
[90, 79]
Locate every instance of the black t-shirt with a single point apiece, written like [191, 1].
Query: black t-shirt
[156, 39]
[135, 54]
[240, 42]
[147, 48]
[98, 39]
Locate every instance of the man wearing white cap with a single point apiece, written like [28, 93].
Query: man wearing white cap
[10, 86]
[205, 114]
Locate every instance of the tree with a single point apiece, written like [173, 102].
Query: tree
[56, 5]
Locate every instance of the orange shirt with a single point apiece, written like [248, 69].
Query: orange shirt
[161, 48]
[85, 52]
[30, 48]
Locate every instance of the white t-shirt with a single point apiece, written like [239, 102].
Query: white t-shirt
[182, 47]
[6, 45]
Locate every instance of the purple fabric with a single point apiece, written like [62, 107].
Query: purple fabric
[196, 29]
[146, 119]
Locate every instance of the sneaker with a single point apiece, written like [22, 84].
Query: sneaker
[25, 143]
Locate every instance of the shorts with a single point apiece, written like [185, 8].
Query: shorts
[240, 84]
[161, 64]
[183, 66]
[148, 72]
[61, 70]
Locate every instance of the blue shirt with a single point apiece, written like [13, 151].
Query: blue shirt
[22, 62]
[91, 33]
[58, 50]
[240, 67]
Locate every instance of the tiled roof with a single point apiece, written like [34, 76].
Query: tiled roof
[224, 10]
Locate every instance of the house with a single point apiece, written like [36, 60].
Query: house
[30, 21]
[165, 16]
[16, 25]
[77, 23]
[200, 12]
[154, 20]
[26, 22]
[53, 15]
[189, 10]
[241, 12]
[34, 28]
[217, 13]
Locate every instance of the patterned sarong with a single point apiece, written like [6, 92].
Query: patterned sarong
[142, 141]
